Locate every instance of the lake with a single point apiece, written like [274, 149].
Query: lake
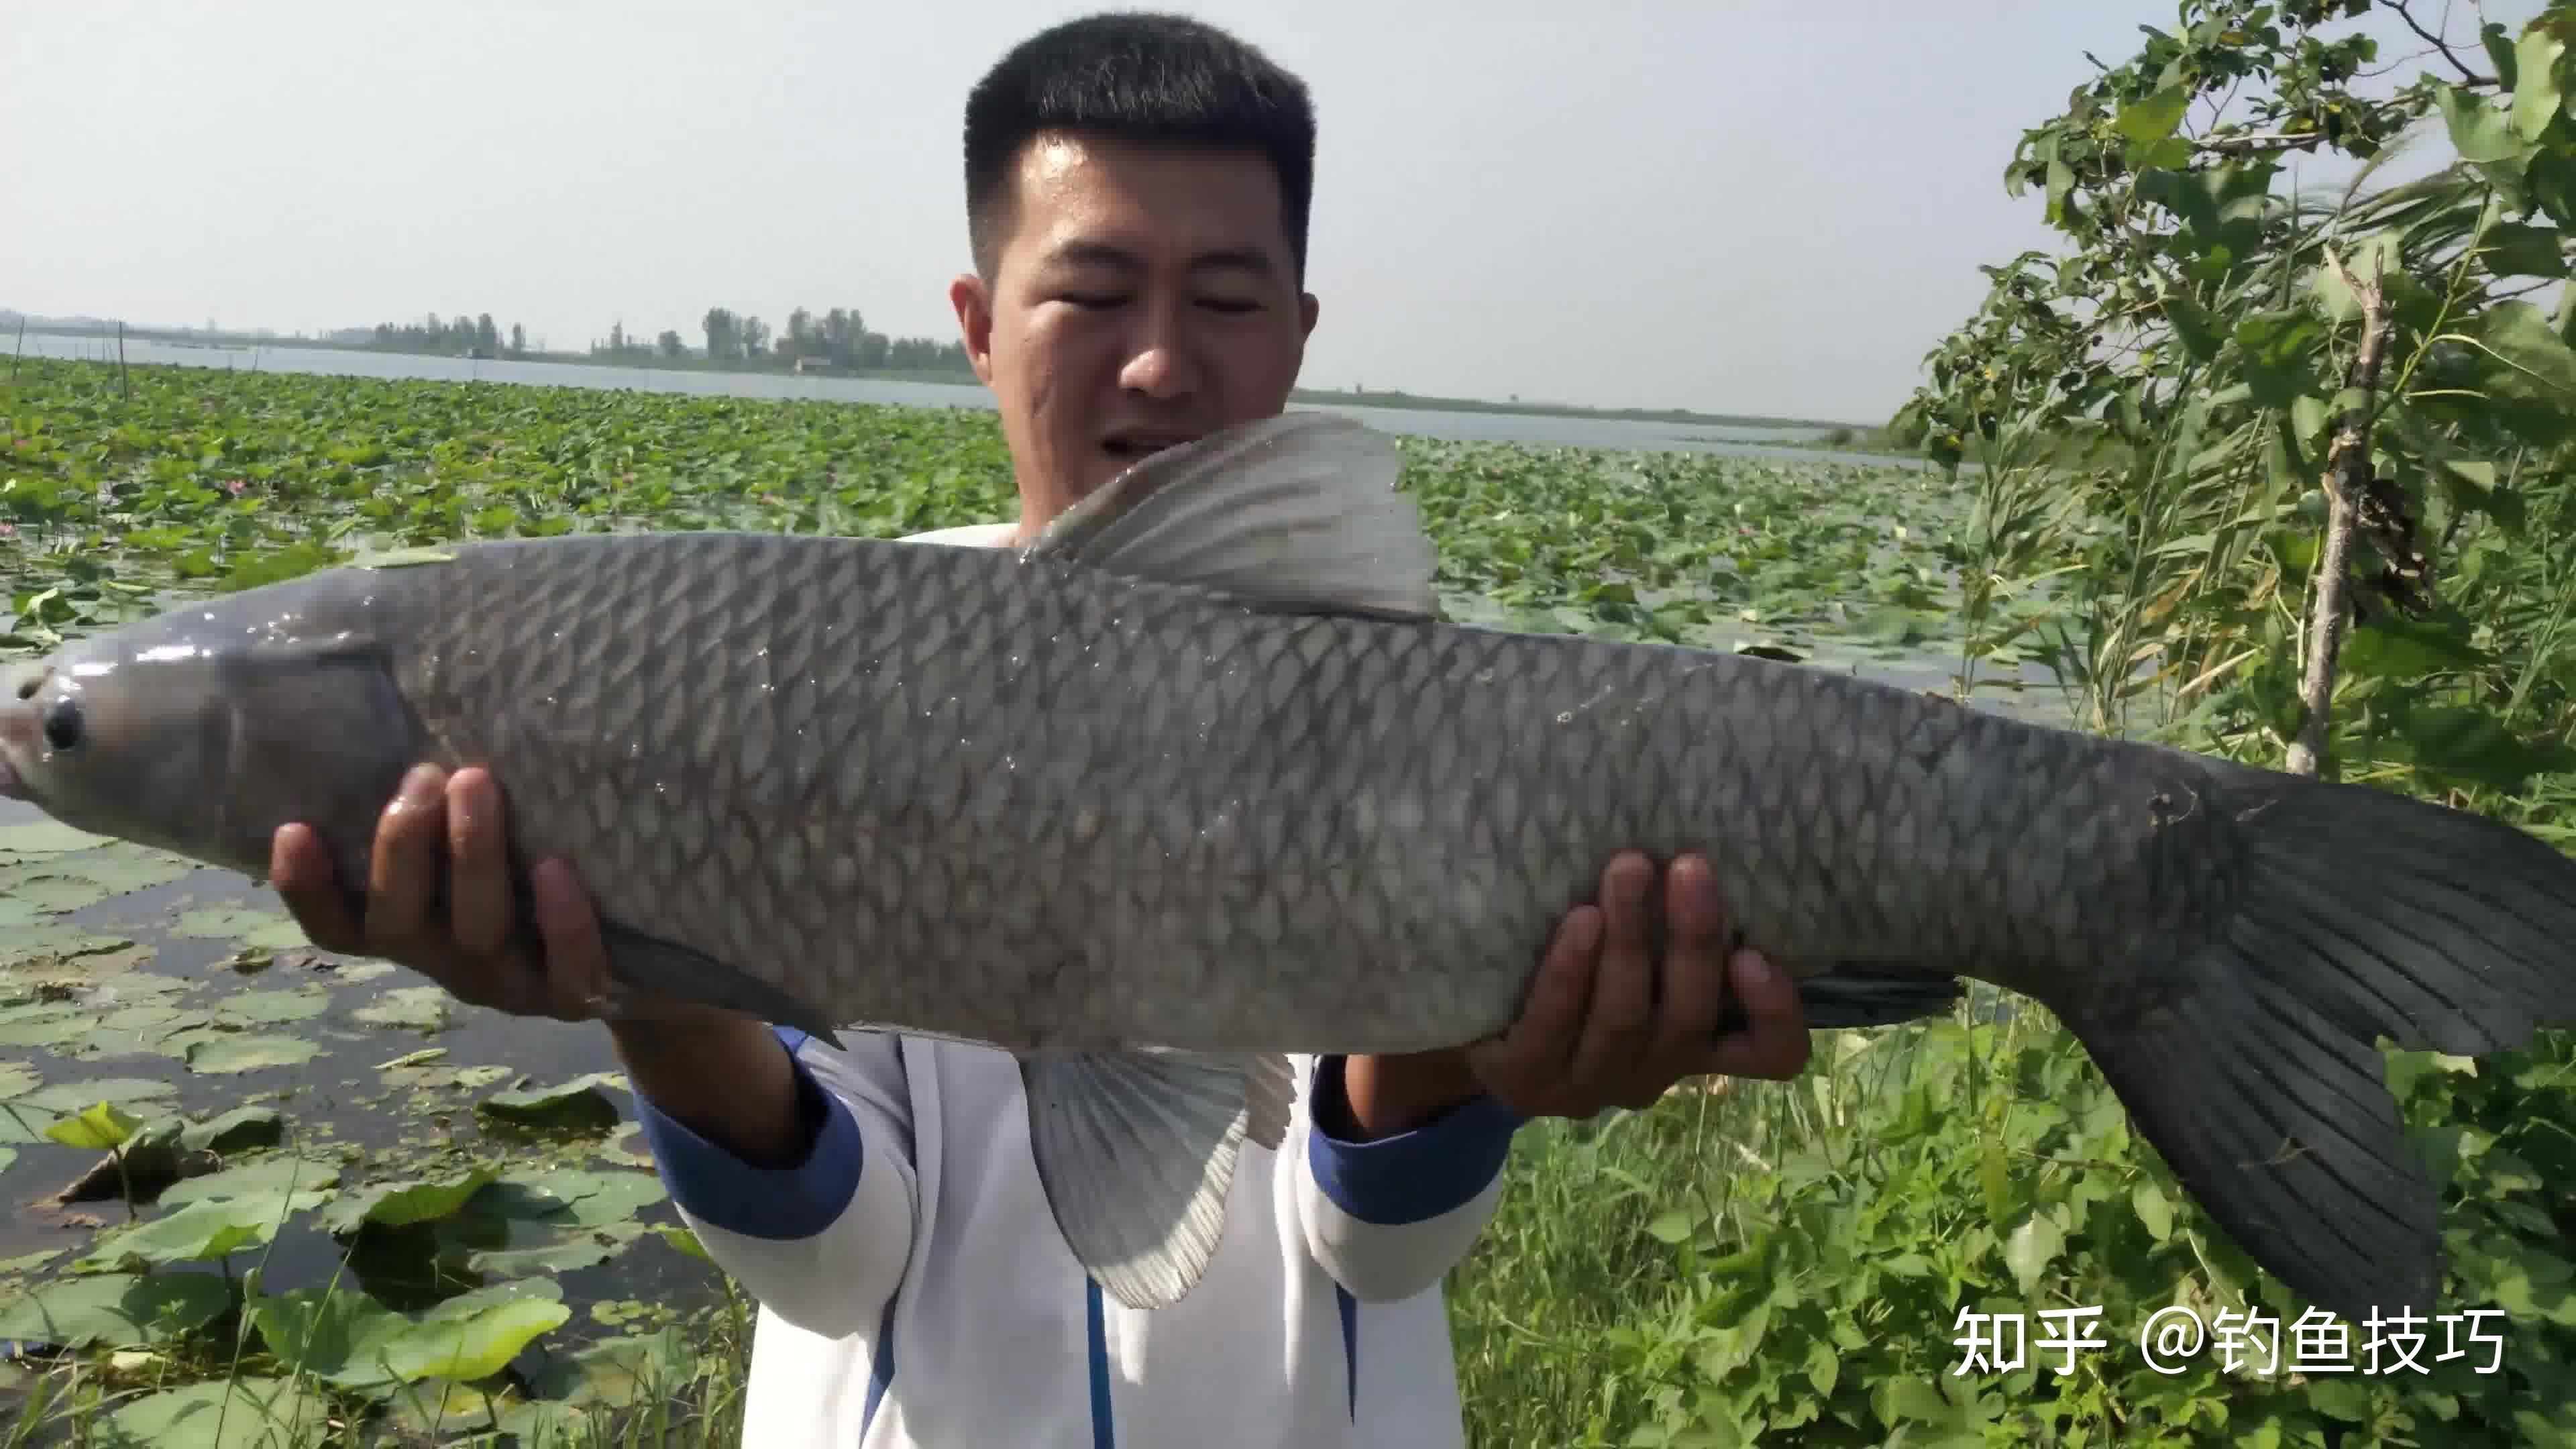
[1541, 429]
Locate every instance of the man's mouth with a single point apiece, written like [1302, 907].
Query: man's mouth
[1139, 444]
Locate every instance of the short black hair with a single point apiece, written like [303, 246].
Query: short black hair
[1135, 75]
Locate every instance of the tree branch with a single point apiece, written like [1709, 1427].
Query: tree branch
[2250, 141]
[2444, 46]
[2347, 479]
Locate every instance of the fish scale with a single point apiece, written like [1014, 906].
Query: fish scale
[1200, 779]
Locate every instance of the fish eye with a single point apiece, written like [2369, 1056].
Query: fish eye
[63, 724]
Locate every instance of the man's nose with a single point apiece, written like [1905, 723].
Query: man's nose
[1159, 361]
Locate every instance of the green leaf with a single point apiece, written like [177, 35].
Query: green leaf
[115, 1310]
[640, 1368]
[2393, 646]
[2277, 347]
[2515, 250]
[1995, 1180]
[2153, 117]
[208, 1229]
[234, 1130]
[577, 1195]
[2536, 94]
[2472, 744]
[235, 1413]
[243, 926]
[682, 1240]
[269, 1008]
[422, 1008]
[2191, 322]
[267, 1177]
[225, 1054]
[2031, 1249]
[2154, 1213]
[2479, 131]
[1823, 1367]
[2528, 358]
[2499, 46]
[339, 1337]
[2552, 184]
[475, 1346]
[46, 837]
[23, 1118]
[2337, 1398]
[577, 1104]
[396, 1205]
[104, 1125]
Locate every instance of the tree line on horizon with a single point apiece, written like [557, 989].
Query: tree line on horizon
[837, 339]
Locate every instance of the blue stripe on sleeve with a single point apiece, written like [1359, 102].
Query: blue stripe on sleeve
[1350, 1310]
[881, 1370]
[1104, 1432]
[1413, 1176]
[775, 1203]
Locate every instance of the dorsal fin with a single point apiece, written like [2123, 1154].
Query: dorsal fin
[1299, 510]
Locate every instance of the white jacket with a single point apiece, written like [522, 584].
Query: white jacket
[914, 1289]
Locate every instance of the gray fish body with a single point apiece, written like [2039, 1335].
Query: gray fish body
[1034, 804]
[1198, 780]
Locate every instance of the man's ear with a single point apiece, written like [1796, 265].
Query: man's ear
[974, 306]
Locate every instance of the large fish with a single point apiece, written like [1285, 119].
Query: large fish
[1198, 779]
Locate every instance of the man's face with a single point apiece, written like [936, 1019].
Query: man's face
[1144, 296]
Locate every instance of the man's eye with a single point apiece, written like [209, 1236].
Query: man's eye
[1092, 300]
[1229, 305]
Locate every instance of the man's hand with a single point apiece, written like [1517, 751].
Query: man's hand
[719, 1072]
[468, 947]
[1608, 1025]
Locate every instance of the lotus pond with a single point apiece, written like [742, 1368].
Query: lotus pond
[245, 1175]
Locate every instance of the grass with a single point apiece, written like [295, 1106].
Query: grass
[1782, 1261]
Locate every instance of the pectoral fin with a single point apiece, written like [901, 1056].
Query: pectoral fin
[638, 963]
[1137, 1151]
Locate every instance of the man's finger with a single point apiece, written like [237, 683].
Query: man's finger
[479, 903]
[300, 871]
[1620, 1023]
[1541, 1040]
[1694, 968]
[1773, 1044]
[410, 835]
[576, 960]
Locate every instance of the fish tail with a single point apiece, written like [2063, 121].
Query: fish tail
[2250, 1061]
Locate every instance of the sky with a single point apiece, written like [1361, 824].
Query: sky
[1769, 209]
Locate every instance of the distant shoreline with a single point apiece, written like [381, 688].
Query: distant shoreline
[1855, 436]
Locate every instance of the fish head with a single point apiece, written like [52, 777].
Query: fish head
[192, 734]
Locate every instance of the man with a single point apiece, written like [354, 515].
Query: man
[1137, 199]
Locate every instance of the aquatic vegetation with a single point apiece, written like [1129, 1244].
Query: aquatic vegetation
[406, 1232]
[308, 1191]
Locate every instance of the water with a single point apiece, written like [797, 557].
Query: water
[1540, 429]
